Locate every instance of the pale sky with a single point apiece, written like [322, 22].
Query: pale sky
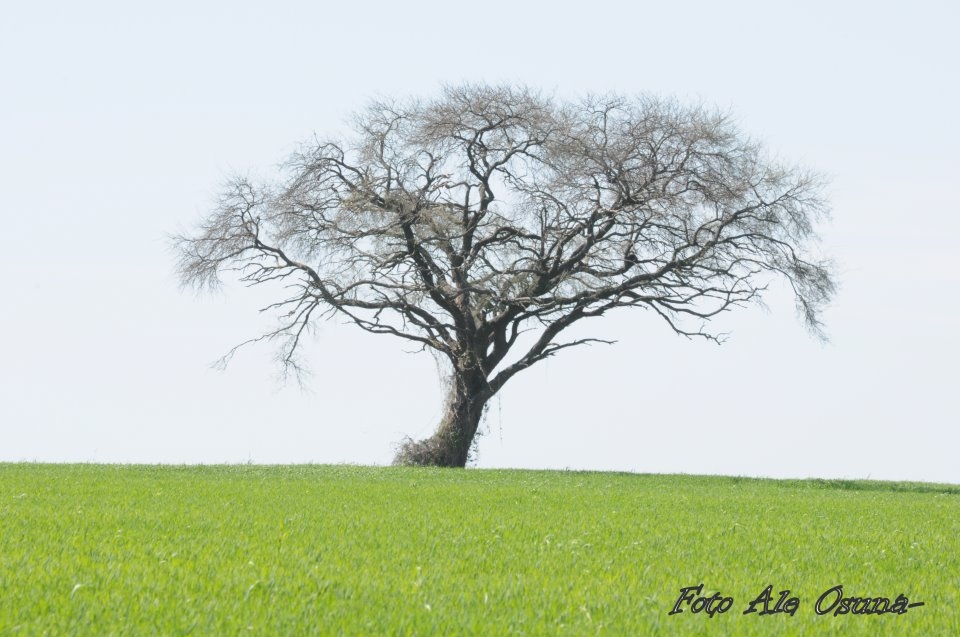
[119, 122]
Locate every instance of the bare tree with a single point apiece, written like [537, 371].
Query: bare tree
[484, 223]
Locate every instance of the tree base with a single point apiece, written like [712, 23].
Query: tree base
[429, 452]
[452, 445]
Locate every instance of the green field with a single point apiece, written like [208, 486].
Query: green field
[214, 550]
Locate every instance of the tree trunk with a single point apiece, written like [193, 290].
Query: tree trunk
[450, 445]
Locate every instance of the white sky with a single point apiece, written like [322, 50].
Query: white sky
[118, 123]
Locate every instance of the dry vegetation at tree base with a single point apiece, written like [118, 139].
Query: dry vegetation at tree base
[98, 550]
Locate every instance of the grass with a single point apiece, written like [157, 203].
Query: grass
[216, 550]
